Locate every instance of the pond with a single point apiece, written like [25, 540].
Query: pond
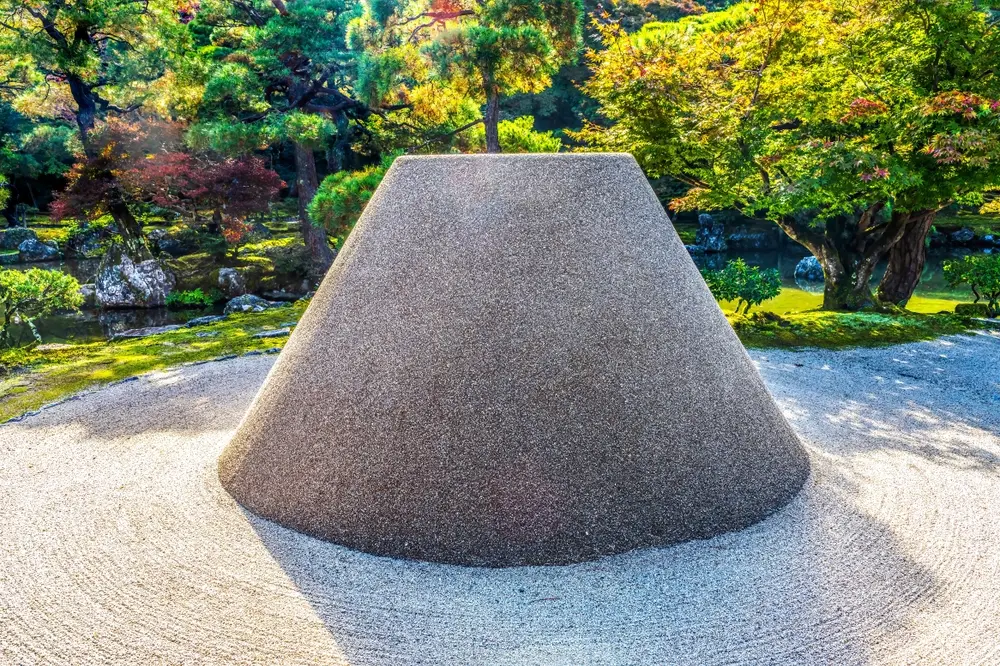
[93, 325]
[933, 295]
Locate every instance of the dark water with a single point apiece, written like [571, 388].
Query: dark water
[94, 325]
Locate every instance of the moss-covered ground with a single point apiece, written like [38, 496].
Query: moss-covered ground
[839, 330]
[37, 377]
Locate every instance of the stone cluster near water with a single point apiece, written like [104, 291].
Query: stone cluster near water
[513, 361]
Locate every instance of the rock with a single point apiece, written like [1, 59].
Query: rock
[809, 270]
[89, 293]
[53, 346]
[247, 303]
[231, 282]
[962, 236]
[991, 239]
[122, 283]
[695, 249]
[34, 250]
[203, 321]
[7, 258]
[280, 333]
[12, 238]
[143, 332]
[711, 234]
[206, 334]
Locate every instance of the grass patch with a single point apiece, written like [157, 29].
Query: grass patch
[792, 300]
[37, 377]
[839, 330]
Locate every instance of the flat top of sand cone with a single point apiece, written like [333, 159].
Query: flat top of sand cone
[513, 360]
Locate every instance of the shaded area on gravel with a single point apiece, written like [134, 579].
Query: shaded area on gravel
[119, 546]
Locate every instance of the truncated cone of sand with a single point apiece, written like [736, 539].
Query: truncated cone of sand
[513, 361]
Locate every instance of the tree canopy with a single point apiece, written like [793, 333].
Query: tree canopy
[847, 123]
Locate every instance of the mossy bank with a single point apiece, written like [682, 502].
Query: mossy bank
[36, 377]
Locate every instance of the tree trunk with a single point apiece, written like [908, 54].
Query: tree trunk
[848, 248]
[906, 261]
[847, 276]
[320, 253]
[491, 118]
[86, 118]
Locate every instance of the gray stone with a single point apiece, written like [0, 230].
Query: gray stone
[89, 293]
[33, 250]
[206, 334]
[231, 282]
[962, 236]
[478, 382]
[247, 303]
[12, 238]
[123, 283]
[202, 321]
[809, 270]
[280, 333]
[711, 234]
[144, 332]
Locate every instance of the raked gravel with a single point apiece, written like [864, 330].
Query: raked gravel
[118, 545]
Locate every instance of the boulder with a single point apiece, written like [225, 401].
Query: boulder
[89, 293]
[202, 321]
[711, 234]
[963, 236]
[9, 257]
[231, 282]
[124, 283]
[247, 303]
[280, 333]
[143, 332]
[12, 238]
[809, 270]
[34, 250]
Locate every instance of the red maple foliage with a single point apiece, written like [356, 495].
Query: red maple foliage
[148, 162]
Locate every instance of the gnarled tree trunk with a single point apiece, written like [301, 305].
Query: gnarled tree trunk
[848, 249]
[86, 118]
[307, 182]
[906, 261]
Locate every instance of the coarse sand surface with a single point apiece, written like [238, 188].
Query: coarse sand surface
[119, 546]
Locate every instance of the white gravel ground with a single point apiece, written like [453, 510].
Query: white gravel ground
[118, 546]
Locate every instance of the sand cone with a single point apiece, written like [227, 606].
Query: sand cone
[513, 361]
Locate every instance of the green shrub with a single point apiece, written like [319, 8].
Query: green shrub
[342, 198]
[196, 298]
[25, 295]
[747, 285]
[982, 273]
